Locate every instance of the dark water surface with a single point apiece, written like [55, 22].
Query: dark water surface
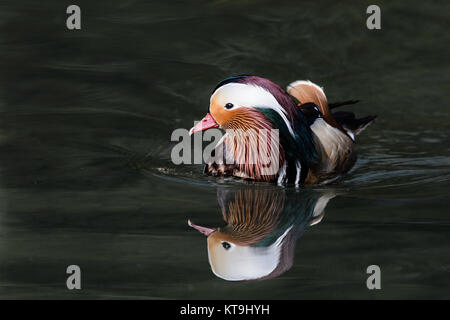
[86, 119]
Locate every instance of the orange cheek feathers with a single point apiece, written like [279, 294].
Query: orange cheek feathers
[220, 114]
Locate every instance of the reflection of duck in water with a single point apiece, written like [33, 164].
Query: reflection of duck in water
[262, 227]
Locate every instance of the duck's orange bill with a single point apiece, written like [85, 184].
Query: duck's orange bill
[206, 231]
[207, 122]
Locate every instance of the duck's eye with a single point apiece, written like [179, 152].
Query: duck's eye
[226, 245]
[229, 105]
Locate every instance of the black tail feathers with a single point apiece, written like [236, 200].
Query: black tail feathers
[352, 125]
[343, 103]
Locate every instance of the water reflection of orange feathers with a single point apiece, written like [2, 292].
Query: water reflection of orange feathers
[253, 215]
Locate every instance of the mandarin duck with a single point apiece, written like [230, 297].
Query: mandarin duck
[312, 145]
[262, 228]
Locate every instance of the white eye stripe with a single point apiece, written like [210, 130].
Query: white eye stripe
[240, 94]
[247, 95]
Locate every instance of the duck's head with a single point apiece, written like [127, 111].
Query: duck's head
[239, 250]
[239, 103]
[234, 260]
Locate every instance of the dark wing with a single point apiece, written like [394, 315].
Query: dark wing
[311, 111]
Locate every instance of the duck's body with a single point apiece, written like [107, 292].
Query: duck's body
[310, 144]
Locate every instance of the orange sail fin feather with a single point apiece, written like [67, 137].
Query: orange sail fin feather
[305, 91]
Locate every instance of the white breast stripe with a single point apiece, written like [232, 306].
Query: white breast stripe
[299, 170]
[282, 174]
